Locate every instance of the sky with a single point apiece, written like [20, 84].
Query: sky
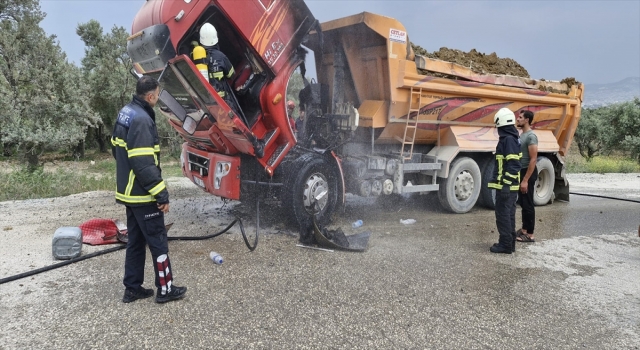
[596, 42]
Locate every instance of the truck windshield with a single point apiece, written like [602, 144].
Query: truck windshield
[177, 101]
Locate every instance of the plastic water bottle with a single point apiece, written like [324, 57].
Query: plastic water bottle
[356, 224]
[217, 258]
[408, 221]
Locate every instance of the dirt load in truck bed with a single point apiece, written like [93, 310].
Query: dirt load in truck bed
[476, 61]
[482, 63]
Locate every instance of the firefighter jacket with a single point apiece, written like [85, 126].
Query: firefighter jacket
[220, 68]
[506, 171]
[136, 149]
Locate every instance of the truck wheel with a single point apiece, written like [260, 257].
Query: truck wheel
[487, 195]
[312, 187]
[545, 182]
[459, 192]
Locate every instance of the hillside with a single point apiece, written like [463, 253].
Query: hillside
[597, 95]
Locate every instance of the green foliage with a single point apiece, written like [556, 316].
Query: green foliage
[590, 134]
[293, 89]
[602, 165]
[42, 95]
[625, 125]
[106, 66]
[20, 183]
[610, 129]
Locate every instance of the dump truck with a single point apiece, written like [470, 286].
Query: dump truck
[373, 126]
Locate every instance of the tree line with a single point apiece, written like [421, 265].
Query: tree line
[48, 104]
[613, 129]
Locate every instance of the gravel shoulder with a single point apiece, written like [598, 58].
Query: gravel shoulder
[416, 286]
[27, 226]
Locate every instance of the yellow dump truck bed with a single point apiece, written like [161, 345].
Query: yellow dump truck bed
[384, 84]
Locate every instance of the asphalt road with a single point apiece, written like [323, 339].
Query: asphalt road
[430, 285]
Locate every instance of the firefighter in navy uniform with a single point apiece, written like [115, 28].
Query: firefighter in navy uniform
[142, 190]
[220, 69]
[506, 180]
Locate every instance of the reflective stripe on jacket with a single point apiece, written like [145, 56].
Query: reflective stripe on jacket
[219, 68]
[136, 149]
[506, 171]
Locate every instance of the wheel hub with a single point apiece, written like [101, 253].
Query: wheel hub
[315, 191]
[464, 186]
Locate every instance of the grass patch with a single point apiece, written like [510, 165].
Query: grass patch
[60, 178]
[20, 184]
[602, 165]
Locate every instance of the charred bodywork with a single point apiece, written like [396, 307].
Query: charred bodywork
[373, 126]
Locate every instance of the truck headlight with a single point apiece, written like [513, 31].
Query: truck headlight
[222, 170]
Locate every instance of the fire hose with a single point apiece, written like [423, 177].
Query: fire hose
[197, 238]
[122, 246]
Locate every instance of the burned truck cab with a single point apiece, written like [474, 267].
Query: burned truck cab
[261, 39]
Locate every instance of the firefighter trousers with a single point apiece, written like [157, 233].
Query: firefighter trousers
[506, 217]
[145, 226]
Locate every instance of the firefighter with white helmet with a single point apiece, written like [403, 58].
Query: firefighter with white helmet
[506, 180]
[218, 67]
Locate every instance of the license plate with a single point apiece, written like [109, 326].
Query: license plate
[198, 181]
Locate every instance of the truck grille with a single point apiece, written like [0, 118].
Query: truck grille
[198, 164]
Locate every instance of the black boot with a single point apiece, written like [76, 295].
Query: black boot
[497, 248]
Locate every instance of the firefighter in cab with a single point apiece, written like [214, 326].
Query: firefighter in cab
[214, 65]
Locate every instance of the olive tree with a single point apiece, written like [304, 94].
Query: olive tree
[607, 129]
[590, 134]
[624, 121]
[106, 64]
[43, 100]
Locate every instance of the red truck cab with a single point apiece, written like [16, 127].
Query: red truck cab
[261, 39]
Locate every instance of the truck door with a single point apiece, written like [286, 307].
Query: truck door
[200, 106]
[274, 28]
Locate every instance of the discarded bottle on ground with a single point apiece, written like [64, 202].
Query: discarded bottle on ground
[408, 221]
[356, 224]
[217, 258]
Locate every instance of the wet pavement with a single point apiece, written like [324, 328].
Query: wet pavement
[429, 285]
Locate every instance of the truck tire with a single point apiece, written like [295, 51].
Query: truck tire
[545, 183]
[487, 196]
[460, 191]
[310, 175]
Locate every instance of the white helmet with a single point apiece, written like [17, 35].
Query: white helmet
[208, 35]
[503, 117]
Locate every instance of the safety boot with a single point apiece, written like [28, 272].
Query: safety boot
[175, 293]
[497, 248]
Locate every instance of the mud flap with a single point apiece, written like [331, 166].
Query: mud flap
[561, 190]
[336, 239]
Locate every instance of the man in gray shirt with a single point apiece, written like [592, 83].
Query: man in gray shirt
[528, 176]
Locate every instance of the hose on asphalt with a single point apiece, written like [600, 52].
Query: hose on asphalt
[122, 246]
[197, 238]
[606, 197]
